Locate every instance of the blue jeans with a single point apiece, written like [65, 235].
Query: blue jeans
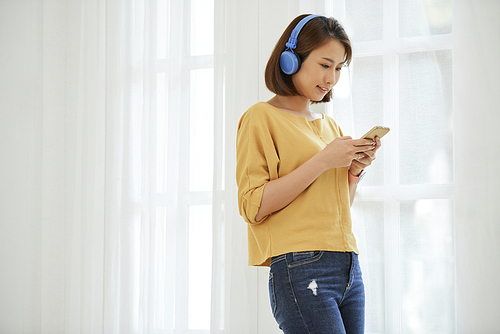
[317, 292]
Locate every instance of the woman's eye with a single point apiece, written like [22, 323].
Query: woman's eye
[339, 68]
[325, 66]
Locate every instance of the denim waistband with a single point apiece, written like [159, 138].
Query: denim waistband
[278, 258]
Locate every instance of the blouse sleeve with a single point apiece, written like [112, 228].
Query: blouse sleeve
[256, 163]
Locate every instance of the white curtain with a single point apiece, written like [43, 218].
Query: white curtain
[74, 201]
[118, 205]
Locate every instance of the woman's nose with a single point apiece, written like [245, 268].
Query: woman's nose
[331, 78]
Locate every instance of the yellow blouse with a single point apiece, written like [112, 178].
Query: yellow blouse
[270, 144]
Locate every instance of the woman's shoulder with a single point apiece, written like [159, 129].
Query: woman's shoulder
[259, 111]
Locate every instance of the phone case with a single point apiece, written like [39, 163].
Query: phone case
[376, 131]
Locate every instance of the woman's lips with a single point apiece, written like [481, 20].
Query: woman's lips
[322, 90]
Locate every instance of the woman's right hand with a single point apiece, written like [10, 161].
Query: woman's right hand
[341, 151]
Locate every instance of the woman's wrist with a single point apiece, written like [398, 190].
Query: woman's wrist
[320, 162]
[355, 174]
[354, 171]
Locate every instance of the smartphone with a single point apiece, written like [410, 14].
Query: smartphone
[376, 131]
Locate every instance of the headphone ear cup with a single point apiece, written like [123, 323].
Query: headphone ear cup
[289, 62]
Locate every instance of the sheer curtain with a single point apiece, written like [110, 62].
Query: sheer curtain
[74, 204]
[118, 209]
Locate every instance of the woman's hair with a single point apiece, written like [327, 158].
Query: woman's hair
[317, 32]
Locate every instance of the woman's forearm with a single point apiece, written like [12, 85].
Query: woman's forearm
[280, 192]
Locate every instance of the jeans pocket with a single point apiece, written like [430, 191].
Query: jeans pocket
[299, 258]
[272, 295]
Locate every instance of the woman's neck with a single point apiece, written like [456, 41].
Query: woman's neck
[297, 105]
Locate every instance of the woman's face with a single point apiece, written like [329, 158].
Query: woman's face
[320, 71]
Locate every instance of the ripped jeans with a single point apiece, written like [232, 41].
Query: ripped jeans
[317, 292]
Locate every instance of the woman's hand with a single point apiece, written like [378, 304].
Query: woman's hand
[343, 151]
[365, 158]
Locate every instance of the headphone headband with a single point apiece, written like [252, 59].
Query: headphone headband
[292, 41]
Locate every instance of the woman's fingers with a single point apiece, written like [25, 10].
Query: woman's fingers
[365, 154]
[363, 142]
[370, 154]
[366, 157]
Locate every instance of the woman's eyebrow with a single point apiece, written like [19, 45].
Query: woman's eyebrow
[331, 61]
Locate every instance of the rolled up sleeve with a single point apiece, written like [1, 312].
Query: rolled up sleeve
[256, 164]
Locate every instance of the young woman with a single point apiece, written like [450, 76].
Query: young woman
[297, 176]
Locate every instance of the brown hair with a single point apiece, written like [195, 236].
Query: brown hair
[313, 35]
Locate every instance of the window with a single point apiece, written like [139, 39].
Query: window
[401, 77]
[182, 128]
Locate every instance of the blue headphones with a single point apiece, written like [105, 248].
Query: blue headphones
[289, 62]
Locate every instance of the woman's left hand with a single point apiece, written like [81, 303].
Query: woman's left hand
[365, 159]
